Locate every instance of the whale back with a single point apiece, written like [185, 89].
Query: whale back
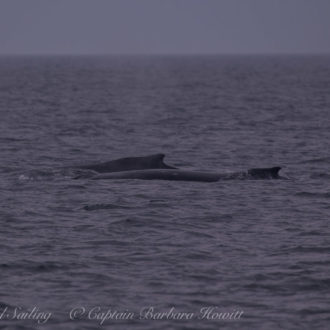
[161, 174]
[264, 173]
[155, 161]
[183, 175]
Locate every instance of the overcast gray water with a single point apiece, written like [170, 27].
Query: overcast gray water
[255, 249]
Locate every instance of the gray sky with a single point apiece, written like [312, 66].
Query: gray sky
[164, 26]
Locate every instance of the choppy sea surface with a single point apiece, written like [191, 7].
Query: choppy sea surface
[136, 254]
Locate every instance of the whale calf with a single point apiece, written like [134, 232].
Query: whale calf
[182, 175]
[155, 161]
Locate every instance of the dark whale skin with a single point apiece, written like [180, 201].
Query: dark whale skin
[155, 161]
[181, 175]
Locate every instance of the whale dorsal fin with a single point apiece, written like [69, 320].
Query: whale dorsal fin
[157, 160]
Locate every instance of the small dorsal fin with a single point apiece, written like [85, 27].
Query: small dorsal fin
[264, 173]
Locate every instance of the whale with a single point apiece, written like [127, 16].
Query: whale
[197, 176]
[152, 167]
[155, 161]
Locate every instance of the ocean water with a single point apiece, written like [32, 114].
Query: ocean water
[130, 254]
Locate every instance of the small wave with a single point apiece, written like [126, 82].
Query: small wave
[47, 266]
[105, 207]
[24, 177]
[83, 174]
[316, 160]
[158, 203]
[309, 249]
[36, 175]
[320, 175]
[313, 194]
